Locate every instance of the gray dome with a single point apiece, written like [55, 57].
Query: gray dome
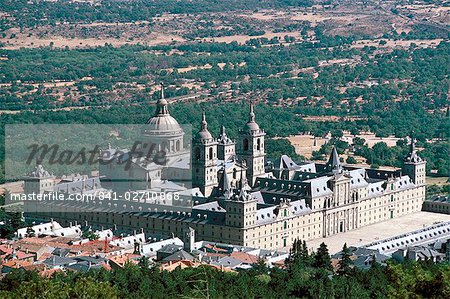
[204, 135]
[251, 126]
[162, 123]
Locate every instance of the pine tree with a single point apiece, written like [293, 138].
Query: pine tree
[306, 259]
[298, 255]
[373, 263]
[290, 259]
[322, 258]
[345, 263]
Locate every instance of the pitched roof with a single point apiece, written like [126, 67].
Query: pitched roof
[170, 248]
[244, 257]
[179, 256]
[227, 261]
[5, 250]
[224, 184]
[334, 164]
[182, 264]
[83, 266]
[61, 251]
[120, 260]
[59, 261]
[16, 264]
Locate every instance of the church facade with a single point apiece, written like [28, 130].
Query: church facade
[236, 200]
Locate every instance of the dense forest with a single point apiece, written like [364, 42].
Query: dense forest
[31, 13]
[307, 275]
[360, 84]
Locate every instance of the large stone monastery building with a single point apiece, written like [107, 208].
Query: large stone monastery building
[234, 197]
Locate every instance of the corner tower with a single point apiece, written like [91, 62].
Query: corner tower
[241, 208]
[39, 180]
[250, 148]
[413, 165]
[204, 159]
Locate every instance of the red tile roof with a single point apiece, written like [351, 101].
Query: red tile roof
[244, 257]
[16, 264]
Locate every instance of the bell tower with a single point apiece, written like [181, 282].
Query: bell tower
[204, 159]
[250, 148]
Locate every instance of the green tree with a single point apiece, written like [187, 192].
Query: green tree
[351, 160]
[322, 258]
[345, 263]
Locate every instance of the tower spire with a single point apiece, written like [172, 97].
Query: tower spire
[161, 105]
[225, 183]
[334, 164]
[204, 122]
[251, 125]
[252, 113]
[222, 128]
[413, 165]
[223, 138]
[242, 180]
[412, 146]
[412, 155]
[204, 134]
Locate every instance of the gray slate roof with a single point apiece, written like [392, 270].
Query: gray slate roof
[54, 261]
[180, 255]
